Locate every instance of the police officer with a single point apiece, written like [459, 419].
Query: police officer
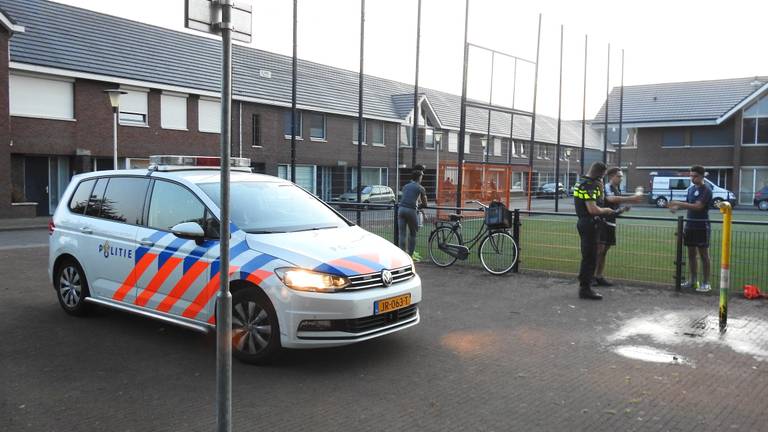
[586, 194]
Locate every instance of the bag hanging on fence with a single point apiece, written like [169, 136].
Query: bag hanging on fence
[420, 218]
[497, 216]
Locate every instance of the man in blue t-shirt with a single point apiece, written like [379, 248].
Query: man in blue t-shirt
[697, 229]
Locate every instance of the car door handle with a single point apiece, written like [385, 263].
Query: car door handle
[86, 230]
[147, 242]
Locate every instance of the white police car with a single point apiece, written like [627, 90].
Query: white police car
[146, 241]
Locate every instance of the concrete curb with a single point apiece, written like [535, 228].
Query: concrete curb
[23, 227]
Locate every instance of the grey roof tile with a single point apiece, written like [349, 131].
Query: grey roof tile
[76, 39]
[681, 101]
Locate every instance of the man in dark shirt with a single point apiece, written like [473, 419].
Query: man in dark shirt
[607, 230]
[586, 193]
[697, 229]
[413, 197]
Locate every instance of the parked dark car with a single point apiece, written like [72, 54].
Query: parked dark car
[761, 198]
[548, 190]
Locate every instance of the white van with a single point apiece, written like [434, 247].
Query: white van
[664, 189]
[302, 276]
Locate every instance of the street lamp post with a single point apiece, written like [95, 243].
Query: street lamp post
[114, 101]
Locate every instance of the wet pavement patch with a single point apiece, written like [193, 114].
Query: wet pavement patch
[662, 337]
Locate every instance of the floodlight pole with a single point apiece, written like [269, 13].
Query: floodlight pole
[621, 110]
[463, 116]
[487, 150]
[607, 102]
[224, 297]
[416, 115]
[294, 113]
[533, 118]
[360, 124]
[559, 125]
[584, 110]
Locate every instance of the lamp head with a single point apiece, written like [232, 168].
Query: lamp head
[114, 97]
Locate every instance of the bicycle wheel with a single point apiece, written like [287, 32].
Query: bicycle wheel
[498, 253]
[439, 236]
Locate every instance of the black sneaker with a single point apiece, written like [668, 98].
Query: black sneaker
[589, 294]
[602, 282]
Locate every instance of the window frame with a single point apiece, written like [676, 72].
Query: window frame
[453, 144]
[256, 130]
[71, 114]
[165, 95]
[313, 115]
[299, 124]
[373, 134]
[126, 121]
[110, 177]
[365, 132]
[200, 102]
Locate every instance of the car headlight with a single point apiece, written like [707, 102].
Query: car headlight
[308, 280]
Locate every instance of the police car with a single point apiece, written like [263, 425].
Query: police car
[302, 276]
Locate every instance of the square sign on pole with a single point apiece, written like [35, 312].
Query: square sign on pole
[205, 16]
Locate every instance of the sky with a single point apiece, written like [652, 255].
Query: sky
[662, 41]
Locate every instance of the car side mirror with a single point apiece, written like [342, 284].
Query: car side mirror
[189, 231]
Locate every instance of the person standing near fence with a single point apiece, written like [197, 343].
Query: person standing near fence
[607, 230]
[586, 193]
[413, 197]
[697, 228]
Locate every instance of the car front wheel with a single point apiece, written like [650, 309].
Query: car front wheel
[72, 288]
[661, 202]
[255, 330]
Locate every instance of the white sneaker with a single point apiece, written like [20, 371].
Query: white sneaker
[690, 285]
[705, 287]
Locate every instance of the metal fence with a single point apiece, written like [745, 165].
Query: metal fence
[649, 250]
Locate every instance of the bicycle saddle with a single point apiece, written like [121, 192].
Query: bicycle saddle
[455, 217]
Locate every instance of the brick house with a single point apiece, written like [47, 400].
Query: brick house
[720, 124]
[58, 120]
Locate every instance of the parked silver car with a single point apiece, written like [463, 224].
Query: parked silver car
[371, 194]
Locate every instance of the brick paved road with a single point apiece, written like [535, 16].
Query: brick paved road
[492, 354]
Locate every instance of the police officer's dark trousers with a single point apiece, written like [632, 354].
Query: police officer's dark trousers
[587, 227]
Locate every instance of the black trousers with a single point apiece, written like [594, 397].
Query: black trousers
[588, 232]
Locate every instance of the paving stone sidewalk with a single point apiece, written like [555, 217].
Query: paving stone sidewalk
[512, 353]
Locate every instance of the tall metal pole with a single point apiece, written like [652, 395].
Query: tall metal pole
[224, 298]
[416, 113]
[559, 125]
[607, 102]
[487, 155]
[114, 137]
[511, 145]
[360, 125]
[294, 113]
[621, 110]
[463, 117]
[584, 110]
[533, 116]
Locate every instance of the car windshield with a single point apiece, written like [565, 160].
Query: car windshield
[272, 207]
[364, 190]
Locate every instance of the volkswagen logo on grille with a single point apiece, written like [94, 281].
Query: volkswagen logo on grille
[386, 277]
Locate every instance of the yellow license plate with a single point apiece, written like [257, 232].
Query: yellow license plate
[390, 304]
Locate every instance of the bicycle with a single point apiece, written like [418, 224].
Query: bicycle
[498, 249]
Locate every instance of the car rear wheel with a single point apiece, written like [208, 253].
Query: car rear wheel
[72, 288]
[716, 202]
[661, 202]
[255, 330]
[763, 205]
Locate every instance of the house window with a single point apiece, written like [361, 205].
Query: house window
[467, 139]
[305, 176]
[287, 124]
[317, 126]
[755, 123]
[673, 138]
[356, 135]
[453, 142]
[209, 115]
[429, 139]
[173, 111]
[540, 151]
[256, 127]
[377, 130]
[516, 182]
[133, 108]
[497, 146]
[405, 136]
[41, 97]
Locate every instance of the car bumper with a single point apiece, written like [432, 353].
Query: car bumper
[352, 314]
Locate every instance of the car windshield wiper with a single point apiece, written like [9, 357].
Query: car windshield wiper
[315, 228]
[264, 231]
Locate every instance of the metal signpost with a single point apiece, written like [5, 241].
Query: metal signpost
[231, 19]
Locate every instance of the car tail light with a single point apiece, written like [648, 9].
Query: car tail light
[51, 227]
